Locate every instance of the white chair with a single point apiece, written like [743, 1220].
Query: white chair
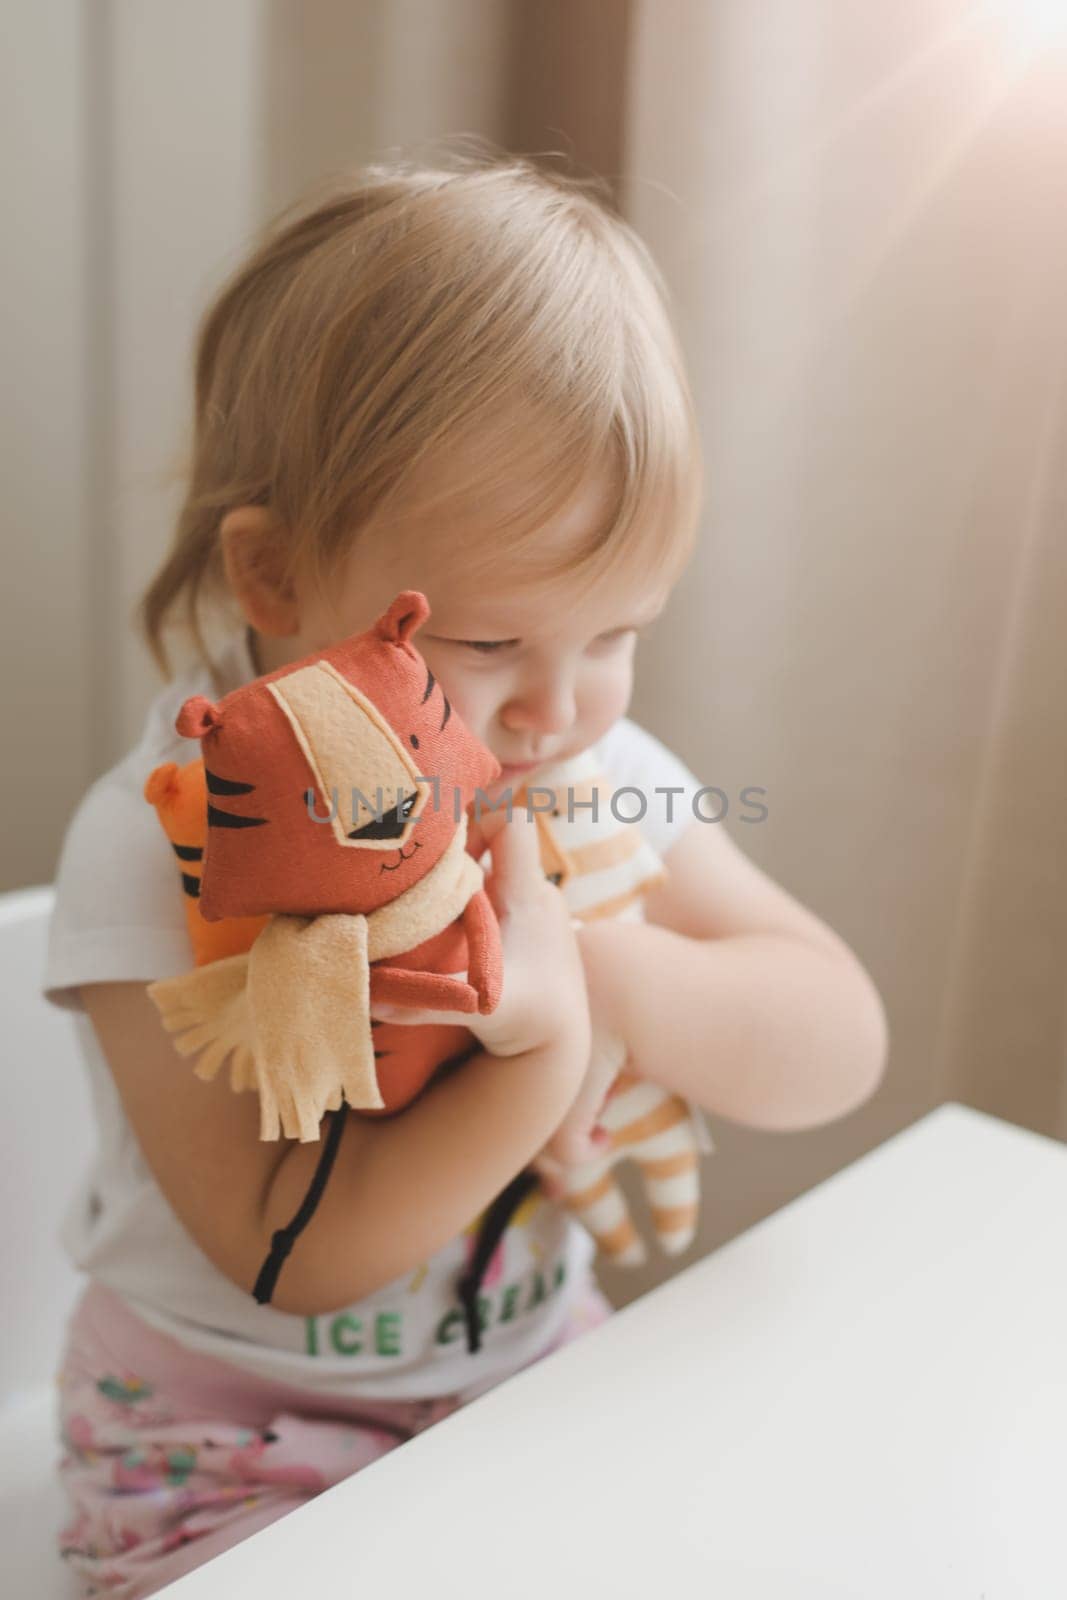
[46, 1144]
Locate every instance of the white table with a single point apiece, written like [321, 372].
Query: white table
[865, 1395]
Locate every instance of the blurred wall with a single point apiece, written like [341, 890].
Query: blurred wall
[50, 579]
[135, 156]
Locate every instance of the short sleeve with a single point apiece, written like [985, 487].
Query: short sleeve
[119, 908]
[119, 912]
[663, 787]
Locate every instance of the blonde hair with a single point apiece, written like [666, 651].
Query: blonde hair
[480, 298]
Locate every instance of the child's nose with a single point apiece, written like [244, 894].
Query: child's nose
[544, 709]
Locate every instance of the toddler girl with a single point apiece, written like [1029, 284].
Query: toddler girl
[458, 379]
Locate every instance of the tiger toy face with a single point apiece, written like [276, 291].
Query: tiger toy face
[334, 783]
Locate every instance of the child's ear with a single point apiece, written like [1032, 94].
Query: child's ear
[254, 558]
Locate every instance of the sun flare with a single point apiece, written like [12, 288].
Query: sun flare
[1029, 26]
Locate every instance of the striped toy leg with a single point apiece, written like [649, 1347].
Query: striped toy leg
[672, 1183]
[592, 1193]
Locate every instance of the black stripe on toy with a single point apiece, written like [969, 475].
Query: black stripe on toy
[217, 785]
[226, 819]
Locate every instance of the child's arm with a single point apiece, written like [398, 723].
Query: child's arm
[735, 995]
[400, 1187]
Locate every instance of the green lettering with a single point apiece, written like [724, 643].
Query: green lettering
[387, 1333]
[539, 1292]
[560, 1274]
[448, 1327]
[339, 1327]
[311, 1328]
[509, 1302]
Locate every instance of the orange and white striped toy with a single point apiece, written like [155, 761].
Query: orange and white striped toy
[604, 867]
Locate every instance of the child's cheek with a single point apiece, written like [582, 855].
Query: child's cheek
[474, 702]
[613, 694]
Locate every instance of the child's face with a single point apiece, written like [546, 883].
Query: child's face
[537, 673]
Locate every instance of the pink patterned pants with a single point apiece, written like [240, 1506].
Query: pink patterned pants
[172, 1457]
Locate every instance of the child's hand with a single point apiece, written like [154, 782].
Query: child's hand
[578, 1139]
[543, 997]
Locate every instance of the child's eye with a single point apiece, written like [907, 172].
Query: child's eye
[620, 635]
[489, 646]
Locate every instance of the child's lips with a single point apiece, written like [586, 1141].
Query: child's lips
[509, 773]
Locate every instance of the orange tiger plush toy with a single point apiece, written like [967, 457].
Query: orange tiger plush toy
[329, 816]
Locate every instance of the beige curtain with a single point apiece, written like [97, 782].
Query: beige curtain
[859, 212]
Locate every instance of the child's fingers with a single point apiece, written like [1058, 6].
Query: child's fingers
[413, 1016]
[577, 1147]
[551, 1175]
[565, 1151]
[516, 862]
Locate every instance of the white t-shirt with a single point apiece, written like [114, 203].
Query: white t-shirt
[120, 915]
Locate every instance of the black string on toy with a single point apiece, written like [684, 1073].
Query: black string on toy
[282, 1241]
[494, 1223]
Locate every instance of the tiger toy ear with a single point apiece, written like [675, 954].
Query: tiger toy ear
[197, 717]
[405, 616]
